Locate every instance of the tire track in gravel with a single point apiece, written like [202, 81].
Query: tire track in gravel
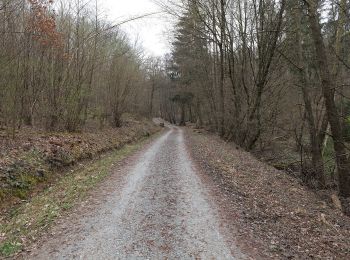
[160, 210]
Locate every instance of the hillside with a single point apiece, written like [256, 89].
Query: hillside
[275, 215]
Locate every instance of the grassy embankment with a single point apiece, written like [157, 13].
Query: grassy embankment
[54, 174]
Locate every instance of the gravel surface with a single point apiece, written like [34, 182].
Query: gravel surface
[155, 207]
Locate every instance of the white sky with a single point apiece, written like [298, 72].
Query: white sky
[151, 32]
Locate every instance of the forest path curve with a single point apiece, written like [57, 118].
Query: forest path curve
[156, 207]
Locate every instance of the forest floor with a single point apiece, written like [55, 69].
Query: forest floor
[272, 210]
[36, 157]
[183, 194]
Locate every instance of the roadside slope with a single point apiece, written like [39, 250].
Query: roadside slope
[273, 212]
[23, 221]
[36, 157]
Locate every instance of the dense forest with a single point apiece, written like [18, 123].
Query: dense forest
[232, 144]
[61, 65]
[264, 74]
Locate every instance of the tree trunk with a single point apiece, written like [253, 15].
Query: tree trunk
[182, 119]
[316, 151]
[222, 69]
[116, 120]
[151, 98]
[328, 87]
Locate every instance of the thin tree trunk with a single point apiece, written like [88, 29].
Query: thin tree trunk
[316, 152]
[222, 68]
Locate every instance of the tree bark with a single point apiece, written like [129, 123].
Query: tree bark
[328, 87]
[222, 68]
[316, 151]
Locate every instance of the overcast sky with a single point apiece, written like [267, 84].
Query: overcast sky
[150, 31]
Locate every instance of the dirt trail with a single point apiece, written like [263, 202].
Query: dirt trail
[160, 209]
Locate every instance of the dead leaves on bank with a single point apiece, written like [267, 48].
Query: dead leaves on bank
[34, 156]
[285, 218]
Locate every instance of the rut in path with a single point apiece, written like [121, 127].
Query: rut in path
[160, 210]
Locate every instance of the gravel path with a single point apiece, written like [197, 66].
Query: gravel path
[160, 209]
